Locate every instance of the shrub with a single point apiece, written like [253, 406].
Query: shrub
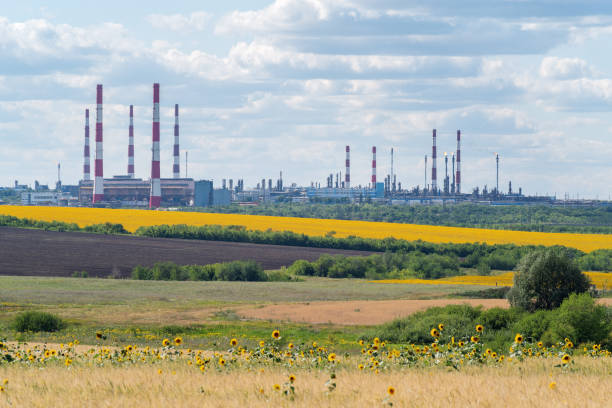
[544, 279]
[35, 321]
[497, 318]
[302, 267]
[534, 325]
[581, 320]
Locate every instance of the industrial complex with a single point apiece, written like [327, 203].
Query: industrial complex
[154, 192]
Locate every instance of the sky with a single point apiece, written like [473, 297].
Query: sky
[270, 86]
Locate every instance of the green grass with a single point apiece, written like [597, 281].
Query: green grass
[144, 312]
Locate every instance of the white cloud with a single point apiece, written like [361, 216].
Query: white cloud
[564, 68]
[196, 21]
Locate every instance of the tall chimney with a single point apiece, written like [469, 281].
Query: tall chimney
[458, 175]
[86, 160]
[347, 175]
[434, 173]
[155, 198]
[425, 185]
[373, 167]
[98, 191]
[176, 169]
[131, 144]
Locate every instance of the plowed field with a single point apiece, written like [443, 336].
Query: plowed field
[48, 253]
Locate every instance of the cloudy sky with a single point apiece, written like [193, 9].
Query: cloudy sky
[269, 86]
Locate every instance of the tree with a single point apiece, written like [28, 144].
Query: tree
[544, 279]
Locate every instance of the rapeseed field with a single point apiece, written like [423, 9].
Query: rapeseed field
[602, 280]
[132, 219]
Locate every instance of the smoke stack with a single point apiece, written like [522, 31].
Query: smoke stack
[98, 193]
[425, 185]
[347, 175]
[176, 169]
[458, 175]
[86, 160]
[434, 173]
[373, 167]
[131, 144]
[155, 198]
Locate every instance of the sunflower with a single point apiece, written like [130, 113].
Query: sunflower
[474, 339]
[540, 344]
[276, 335]
[290, 346]
[166, 342]
[461, 343]
[435, 333]
[376, 340]
[221, 361]
[569, 345]
[360, 367]
[494, 354]
[234, 342]
[552, 385]
[178, 341]
[441, 327]
[566, 359]
[331, 357]
[361, 342]
[488, 351]
[292, 378]
[68, 362]
[202, 368]
[276, 387]
[98, 335]
[390, 390]
[262, 343]
[518, 338]
[479, 328]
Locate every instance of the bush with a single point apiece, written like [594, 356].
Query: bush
[581, 320]
[228, 271]
[497, 318]
[544, 279]
[34, 321]
[534, 325]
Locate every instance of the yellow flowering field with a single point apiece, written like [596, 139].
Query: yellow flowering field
[132, 219]
[600, 279]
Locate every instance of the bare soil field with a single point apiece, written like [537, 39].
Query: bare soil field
[49, 253]
[359, 312]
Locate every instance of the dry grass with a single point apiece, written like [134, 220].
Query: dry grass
[355, 312]
[523, 384]
[132, 219]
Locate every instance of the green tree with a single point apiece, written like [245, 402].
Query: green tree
[544, 279]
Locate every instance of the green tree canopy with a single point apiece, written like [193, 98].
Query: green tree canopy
[544, 279]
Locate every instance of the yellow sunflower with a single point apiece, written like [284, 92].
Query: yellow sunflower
[479, 328]
[390, 390]
[518, 338]
[276, 335]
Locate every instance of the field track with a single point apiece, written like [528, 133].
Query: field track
[49, 253]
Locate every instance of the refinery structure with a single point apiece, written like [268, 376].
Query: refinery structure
[154, 192]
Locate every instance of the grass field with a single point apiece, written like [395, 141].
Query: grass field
[132, 219]
[138, 311]
[525, 385]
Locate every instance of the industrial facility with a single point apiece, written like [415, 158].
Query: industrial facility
[155, 192]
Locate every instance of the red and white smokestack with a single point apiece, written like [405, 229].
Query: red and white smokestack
[374, 167]
[86, 160]
[434, 172]
[458, 174]
[176, 169]
[155, 197]
[98, 193]
[131, 144]
[347, 174]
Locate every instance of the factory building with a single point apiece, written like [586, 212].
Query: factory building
[45, 198]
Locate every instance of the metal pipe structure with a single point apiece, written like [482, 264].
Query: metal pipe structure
[131, 144]
[155, 197]
[434, 173]
[373, 167]
[347, 175]
[497, 173]
[454, 185]
[86, 160]
[425, 185]
[176, 169]
[458, 175]
[98, 190]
